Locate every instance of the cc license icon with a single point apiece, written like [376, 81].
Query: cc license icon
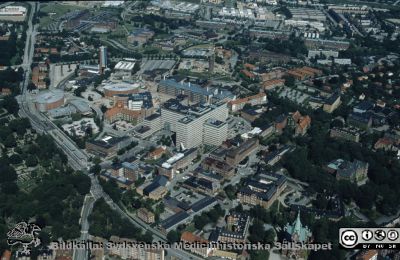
[349, 238]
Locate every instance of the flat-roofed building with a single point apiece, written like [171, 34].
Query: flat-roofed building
[215, 132]
[307, 14]
[190, 129]
[189, 121]
[179, 161]
[346, 133]
[125, 66]
[13, 13]
[327, 44]
[194, 92]
[108, 146]
[237, 154]
[140, 36]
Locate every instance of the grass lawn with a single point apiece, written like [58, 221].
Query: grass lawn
[58, 9]
[201, 46]
[194, 74]
[190, 228]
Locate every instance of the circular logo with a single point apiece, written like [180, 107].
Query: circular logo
[392, 235]
[349, 238]
[367, 235]
[380, 234]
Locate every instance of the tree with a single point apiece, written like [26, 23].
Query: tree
[15, 159]
[20, 125]
[81, 182]
[7, 174]
[10, 104]
[31, 86]
[147, 237]
[4, 132]
[10, 141]
[289, 81]
[78, 92]
[103, 108]
[95, 169]
[173, 236]
[31, 161]
[201, 221]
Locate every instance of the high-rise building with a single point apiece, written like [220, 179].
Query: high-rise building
[215, 132]
[193, 124]
[102, 59]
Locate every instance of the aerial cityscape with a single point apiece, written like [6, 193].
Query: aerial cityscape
[200, 129]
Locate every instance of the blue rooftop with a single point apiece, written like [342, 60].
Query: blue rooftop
[169, 83]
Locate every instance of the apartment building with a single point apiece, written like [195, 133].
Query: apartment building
[146, 215]
[235, 231]
[346, 133]
[238, 104]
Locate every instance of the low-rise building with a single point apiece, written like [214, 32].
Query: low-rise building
[237, 154]
[261, 191]
[384, 143]
[107, 147]
[127, 170]
[301, 123]
[132, 108]
[146, 215]
[177, 162]
[157, 153]
[132, 252]
[355, 171]
[272, 84]
[251, 114]
[304, 73]
[154, 190]
[360, 120]
[140, 36]
[184, 216]
[202, 185]
[235, 231]
[238, 104]
[280, 123]
[194, 241]
[218, 166]
[332, 103]
[346, 133]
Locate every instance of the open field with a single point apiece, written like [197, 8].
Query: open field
[55, 11]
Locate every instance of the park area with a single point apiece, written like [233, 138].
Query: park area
[50, 12]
